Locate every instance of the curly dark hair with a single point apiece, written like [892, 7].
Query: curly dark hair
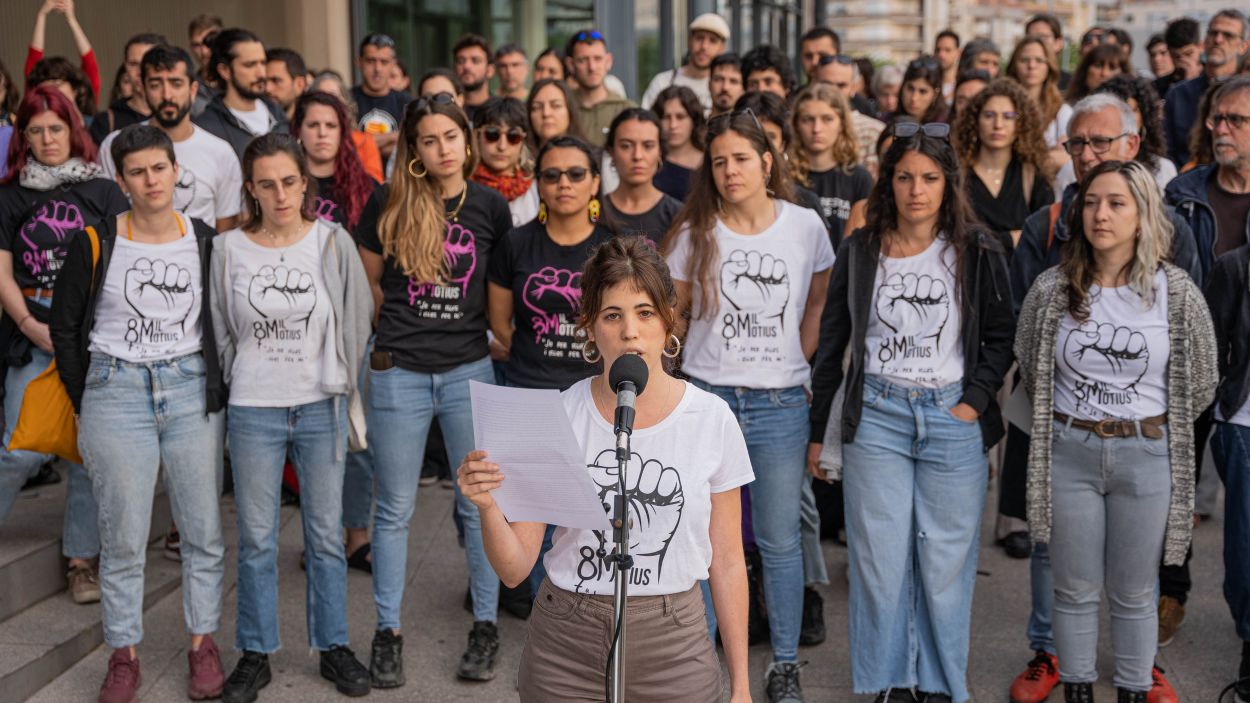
[1141, 90]
[1103, 53]
[1029, 146]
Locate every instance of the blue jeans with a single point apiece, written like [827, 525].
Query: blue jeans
[314, 435]
[1042, 590]
[1230, 445]
[358, 474]
[914, 485]
[775, 425]
[136, 419]
[401, 406]
[80, 536]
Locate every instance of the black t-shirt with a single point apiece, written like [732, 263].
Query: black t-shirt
[546, 283]
[651, 224]
[380, 115]
[331, 205]
[674, 180]
[432, 328]
[35, 225]
[122, 116]
[838, 191]
[1230, 216]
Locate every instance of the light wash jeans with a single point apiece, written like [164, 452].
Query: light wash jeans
[814, 569]
[314, 435]
[136, 419]
[775, 425]
[1110, 501]
[1042, 593]
[401, 406]
[914, 485]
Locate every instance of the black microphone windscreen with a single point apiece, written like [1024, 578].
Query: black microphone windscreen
[629, 367]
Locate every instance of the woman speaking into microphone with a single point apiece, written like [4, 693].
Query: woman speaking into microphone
[683, 500]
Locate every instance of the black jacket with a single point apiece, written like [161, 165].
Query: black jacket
[74, 302]
[987, 331]
[1228, 296]
[118, 115]
[217, 120]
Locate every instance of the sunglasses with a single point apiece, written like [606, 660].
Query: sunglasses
[826, 59]
[936, 130]
[515, 136]
[551, 176]
[381, 41]
[587, 36]
[721, 122]
[443, 98]
[927, 64]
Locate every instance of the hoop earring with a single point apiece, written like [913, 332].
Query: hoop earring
[594, 210]
[677, 351]
[542, 213]
[593, 356]
[413, 173]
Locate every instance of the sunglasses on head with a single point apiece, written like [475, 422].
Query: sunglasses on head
[720, 121]
[381, 41]
[927, 64]
[826, 59]
[588, 35]
[551, 176]
[936, 130]
[515, 136]
[443, 98]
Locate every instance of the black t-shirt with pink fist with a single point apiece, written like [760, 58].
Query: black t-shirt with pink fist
[430, 327]
[36, 225]
[546, 283]
[330, 204]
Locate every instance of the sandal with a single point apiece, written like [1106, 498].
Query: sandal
[359, 559]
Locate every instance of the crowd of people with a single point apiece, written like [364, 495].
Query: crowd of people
[838, 275]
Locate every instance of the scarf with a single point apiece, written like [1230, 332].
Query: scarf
[510, 187]
[37, 176]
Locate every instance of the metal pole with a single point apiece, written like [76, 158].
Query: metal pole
[623, 562]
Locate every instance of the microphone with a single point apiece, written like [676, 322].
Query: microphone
[628, 378]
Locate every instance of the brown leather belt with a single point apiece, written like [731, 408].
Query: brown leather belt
[37, 293]
[1151, 427]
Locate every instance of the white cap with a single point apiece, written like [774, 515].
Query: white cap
[711, 22]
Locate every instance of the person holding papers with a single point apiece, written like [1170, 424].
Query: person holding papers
[684, 504]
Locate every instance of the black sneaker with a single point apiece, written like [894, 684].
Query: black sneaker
[350, 677]
[386, 660]
[478, 661]
[895, 695]
[783, 683]
[46, 476]
[923, 697]
[812, 631]
[1078, 693]
[249, 676]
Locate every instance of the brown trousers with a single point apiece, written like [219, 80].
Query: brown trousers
[668, 656]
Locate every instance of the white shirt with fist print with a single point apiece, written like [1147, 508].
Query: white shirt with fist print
[1114, 365]
[149, 307]
[752, 340]
[913, 326]
[279, 295]
[669, 482]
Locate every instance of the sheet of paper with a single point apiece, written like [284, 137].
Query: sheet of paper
[1019, 410]
[527, 433]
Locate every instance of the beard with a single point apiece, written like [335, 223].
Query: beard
[249, 92]
[473, 87]
[169, 122]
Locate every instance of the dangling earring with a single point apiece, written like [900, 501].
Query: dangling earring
[256, 208]
[542, 213]
[676, 347]
[468, 151]
[413, 173]
[594, 210]
[592, 356]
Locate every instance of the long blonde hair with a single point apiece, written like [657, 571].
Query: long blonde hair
[413, 226]
[845, 147]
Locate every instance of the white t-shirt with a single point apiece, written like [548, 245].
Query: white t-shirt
[671, 505]
[258, 121]
[525, 208]
[1115, 364]
[149, 307]
[913, 326]
[762, 282]
[280, 298]
[1057, 131]
[210, 181]
[676, 76]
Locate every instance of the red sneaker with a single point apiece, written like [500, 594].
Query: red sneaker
[1037, 681]
[1160, 690]
[207, 678]
[122, 681]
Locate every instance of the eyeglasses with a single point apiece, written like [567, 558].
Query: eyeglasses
[551, 176]
[990, 115]
[1222, 35]
[936, 130]
[1099, 145]
[588, 36]
[382, 41]
[55, 130]
[1234, 120]
[426, 101]
[721, 121]
[490, 135]
[826, 59]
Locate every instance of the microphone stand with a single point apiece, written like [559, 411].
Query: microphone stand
[620, 558]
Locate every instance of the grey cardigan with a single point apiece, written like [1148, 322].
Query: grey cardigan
[352, 308]
[1191, 381]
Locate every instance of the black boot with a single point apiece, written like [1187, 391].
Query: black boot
[1078, 693]
[1124, 695]
[1242, 688]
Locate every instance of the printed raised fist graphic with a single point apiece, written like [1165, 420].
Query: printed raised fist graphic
[1116, 351]
[282, 293]
[59, 216]
[549, 292]
[751, 281]
[914, 305]
[325, 208]
[655, 500]
[460, 253]
[157, 290]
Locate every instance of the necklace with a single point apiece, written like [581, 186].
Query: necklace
[273, 239]
[130, 226]
[454, 215]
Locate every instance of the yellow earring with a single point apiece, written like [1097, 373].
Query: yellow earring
[594, 210]
[542, 213]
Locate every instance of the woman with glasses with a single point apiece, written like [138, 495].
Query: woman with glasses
[920, 99]
[921, 298]
[637, 207]
[1035, 67]
[751, 268]
[1118, 353]
[506, 166]
[1103, 62]
[825, 156]
[425, 240]
[999, 138]
[681, 116]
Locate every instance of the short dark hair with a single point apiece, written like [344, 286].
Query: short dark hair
[58, 68]
[165, 58]
[822, 33]
[444, 73]
[638, 114]
[1155, 39]
[223, 47]
[767, 107]
[972, 74]
[379, 40]
[139, 137]
[144, 38]
[470, 40]
[1056, 27]
[767, 57]
[589, 35]
[510, 49]
[503, 110]
[568, 141]
[728, 58]
[1182, 32]
[1121, 37]
[291, 58]
[201, 22]
[947, 33]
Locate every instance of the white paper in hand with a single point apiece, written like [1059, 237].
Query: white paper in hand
[527, 433]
